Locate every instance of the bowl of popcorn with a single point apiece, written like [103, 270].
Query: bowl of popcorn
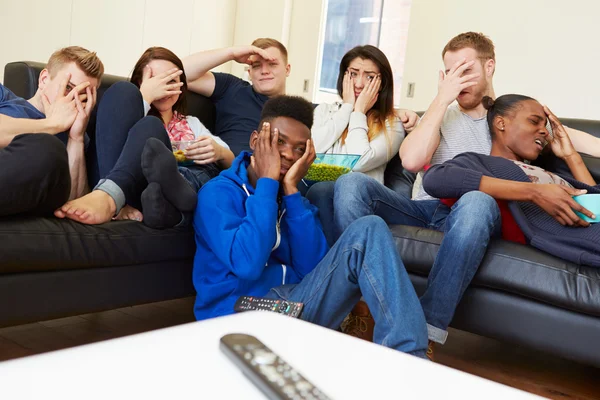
[178, 151]
[329, 167]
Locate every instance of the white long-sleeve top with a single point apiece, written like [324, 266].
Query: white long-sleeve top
[330, 121]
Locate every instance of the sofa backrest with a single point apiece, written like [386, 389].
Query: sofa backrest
[22, 76]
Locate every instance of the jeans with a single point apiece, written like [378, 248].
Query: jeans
[34, 175]
[320, 195]
[468, 226]
[121, 133]
[198, 175]
[364, 260]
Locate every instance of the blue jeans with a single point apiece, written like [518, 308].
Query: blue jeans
[364, 260]
[198, 175]
[467, 226]
[320, 195]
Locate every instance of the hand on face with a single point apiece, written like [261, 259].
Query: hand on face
[561, 144]
[266, 160]
[454, 82]
[204, 151]
[160, 86]
[348, 89]
[84, 111]
[368, 97]
[299, 169]
[63, 111]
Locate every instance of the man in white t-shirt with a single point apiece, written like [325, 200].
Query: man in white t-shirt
[445, 131]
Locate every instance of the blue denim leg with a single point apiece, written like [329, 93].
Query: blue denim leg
[198, 175]
[364, 260]
[321, 196]
[467, 231]
[357, 195]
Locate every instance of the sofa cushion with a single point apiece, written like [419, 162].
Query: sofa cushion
[513, 268]
[29, 244]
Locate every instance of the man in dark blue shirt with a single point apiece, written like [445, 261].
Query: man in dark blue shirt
[37, 173]
[238, 102]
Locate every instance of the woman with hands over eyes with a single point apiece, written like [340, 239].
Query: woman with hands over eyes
[365, 123]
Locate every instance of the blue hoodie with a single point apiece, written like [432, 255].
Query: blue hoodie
[239, 248]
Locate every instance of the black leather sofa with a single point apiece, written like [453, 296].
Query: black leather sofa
[52, 268]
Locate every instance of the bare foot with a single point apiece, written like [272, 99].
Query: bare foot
[94, 208]
[129, 213]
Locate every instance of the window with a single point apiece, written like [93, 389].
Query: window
[350, 23]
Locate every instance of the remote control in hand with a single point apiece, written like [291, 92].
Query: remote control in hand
[249, 303]
[269, 372]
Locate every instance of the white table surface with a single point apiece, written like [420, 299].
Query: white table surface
[185, 362]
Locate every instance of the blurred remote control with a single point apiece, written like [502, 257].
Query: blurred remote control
[249, 303]
[269, 372]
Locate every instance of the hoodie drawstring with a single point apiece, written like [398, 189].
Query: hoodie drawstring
[245, 190]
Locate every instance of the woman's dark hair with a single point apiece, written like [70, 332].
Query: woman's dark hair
[294, 107]
[502, 106]
[160, 53]
[383, 109]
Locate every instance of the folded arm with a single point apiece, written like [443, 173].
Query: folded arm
[11, 127]
[456, 177]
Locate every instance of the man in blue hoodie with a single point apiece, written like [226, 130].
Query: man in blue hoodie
[256, 235]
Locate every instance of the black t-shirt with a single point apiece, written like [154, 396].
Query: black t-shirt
[238, 110]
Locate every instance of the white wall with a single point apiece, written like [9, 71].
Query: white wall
[547, 49]
[295, 23]
[304, 46]
[119, 31]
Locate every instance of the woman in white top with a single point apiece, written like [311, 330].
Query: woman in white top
[366, 122]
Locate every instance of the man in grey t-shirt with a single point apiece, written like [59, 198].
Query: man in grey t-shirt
[475, 217]
[445, 131]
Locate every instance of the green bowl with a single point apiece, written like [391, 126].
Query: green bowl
[592, 203]
[329, 167]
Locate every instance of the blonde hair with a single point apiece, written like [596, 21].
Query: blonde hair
[86, 60]
[265, 43]
[482, 44]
